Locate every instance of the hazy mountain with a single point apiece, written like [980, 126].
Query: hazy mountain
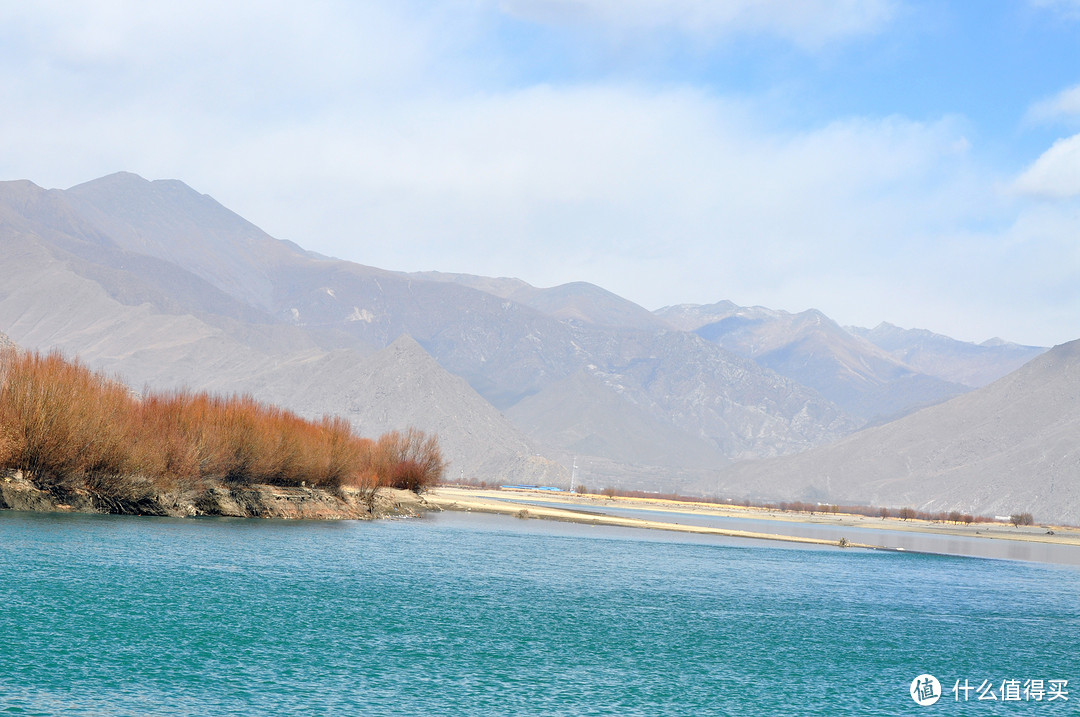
[165, 287]
[813, 350]
[64, 285]
[577, 301]
[961, 362]
[581, 415]
[167, 220]
[392, 389]
[403, 386]
[691, 317]
[161, 284]
[508, 351]
[1008, 447]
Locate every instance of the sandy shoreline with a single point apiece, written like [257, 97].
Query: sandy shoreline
[580, 509]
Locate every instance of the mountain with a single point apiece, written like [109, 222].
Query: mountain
[402, 385]
[577, 301]
[576, 416]
[1008, 447]
[165, 287]
[691, 317]
[168, 221]
[64, 284]
[864, 380]
[960, 362]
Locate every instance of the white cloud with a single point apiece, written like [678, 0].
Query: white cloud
[1055, 174]
[359, 129]
[231, 54]
[807, 23]
[1065, 105]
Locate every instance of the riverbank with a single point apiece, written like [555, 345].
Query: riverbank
[234, 501]
[588, 509]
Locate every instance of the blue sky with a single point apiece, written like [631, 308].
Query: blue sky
[880, 160]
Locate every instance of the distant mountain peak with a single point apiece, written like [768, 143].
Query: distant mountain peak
[575, 301]
[168, 220]
[123, 176]
[20, 186]
[407, 344]
[124, 184]
[950, 359]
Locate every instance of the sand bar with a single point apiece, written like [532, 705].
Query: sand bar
[584, 509]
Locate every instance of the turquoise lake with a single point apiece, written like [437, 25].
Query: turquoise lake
[466, 614]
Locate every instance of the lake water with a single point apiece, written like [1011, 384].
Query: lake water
[487, 615]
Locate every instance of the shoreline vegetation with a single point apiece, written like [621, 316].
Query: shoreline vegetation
[72, 439]
[581, 508]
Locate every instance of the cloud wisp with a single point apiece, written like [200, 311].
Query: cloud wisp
[808, 24]
[1064, 107]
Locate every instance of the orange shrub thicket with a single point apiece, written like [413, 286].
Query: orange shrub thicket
[67, 427]
[409, 460]
[60, 420]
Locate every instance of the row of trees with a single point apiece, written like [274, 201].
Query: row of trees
[66, 427]
[954, 516]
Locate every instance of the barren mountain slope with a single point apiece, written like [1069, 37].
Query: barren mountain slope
[1009, 447]
[400, 387]
[583, 415]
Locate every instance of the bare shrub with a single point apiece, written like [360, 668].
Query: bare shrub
[410, 461]
[1018, 519]
[68, 428]
[61, 421]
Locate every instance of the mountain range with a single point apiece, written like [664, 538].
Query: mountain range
[163, 286]
[1009, 447]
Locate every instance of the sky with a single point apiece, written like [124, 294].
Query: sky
[879, 160]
